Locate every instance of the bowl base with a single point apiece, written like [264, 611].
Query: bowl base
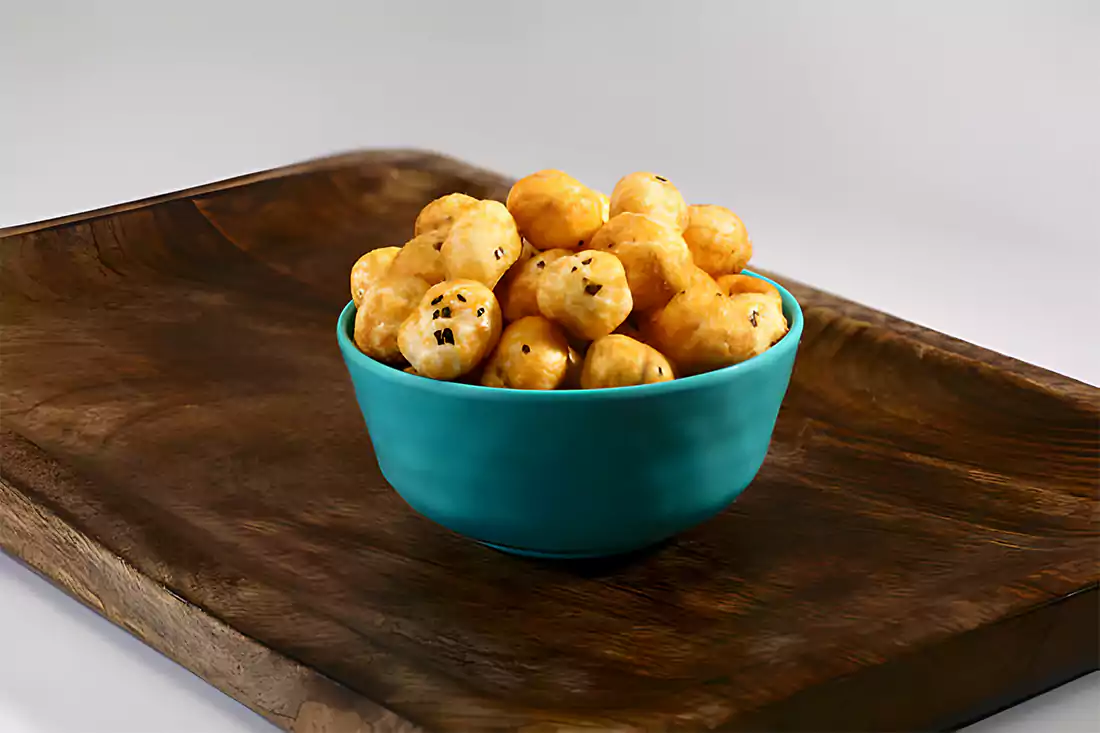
[520, 552]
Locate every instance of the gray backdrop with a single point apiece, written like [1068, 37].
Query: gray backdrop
[938, 160]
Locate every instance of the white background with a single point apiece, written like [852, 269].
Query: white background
[938, 160]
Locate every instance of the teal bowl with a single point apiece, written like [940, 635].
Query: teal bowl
[578, 473]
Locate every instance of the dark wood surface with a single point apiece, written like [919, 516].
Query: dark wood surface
[182, 452]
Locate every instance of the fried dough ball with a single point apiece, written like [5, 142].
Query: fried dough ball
[384, 308]
[587, 293]
[651, 195]
[482, 244]
[518, 291]
[747, 284]
[442, 213]
[453, 327]
[700, 329]
[656, 258]
[533, 353]
[759, 302]
[620, 361]
[553, 210]
[717, 239]
[369, 269]
[421, 257]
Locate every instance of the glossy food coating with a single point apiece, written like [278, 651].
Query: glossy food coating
[441, 214]
[482, 244]
[717, 239]
[656, 258]
[421, 257]
[379, 316]
[518, 291]
[620, 361]
[369, 269]
[587, 293]
[533, 353]
[453, 327]
[651, 195]
[553, 210]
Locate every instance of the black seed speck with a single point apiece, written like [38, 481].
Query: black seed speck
[580, 243]
[435, 315]
[438, 246]
[574, 269]
[611, 246]
[752, 318]
[480, 311]
[446, 336]
[587, 262]
[661, 179]
[660, 370]
[461, 297]
[540, 264]
[438, 300]
[498, 253]
[526, 349]
[438, 338]
[446, 311]
[592, 289]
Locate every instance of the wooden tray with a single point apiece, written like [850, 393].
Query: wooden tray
[182, 452]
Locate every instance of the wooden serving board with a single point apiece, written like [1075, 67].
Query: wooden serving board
[182, 452]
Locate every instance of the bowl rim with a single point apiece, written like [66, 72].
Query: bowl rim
[782, 348]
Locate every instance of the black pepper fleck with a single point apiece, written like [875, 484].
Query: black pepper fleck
[661, 179]
[438, 300]
[480, 311]
[526, 349]
[461, 297]
[574, 269]
[498, 253]
[587, 262]
[593, 288]
[660, 370]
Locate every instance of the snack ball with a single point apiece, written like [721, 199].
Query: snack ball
[620, 361]
[533, 353]
[656, 258]
[421, 257]
[553, 210]
[758, 302]
[369, 269]
[518, 291]
[452, 328]
[700, 329]
[717, 239]
[482, 244]
[587, 293]
[379, 316]
[442, 213]
[651, 195]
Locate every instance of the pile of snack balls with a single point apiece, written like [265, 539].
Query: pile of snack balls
[563, 287]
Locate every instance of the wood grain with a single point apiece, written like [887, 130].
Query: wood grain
[182, 452]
